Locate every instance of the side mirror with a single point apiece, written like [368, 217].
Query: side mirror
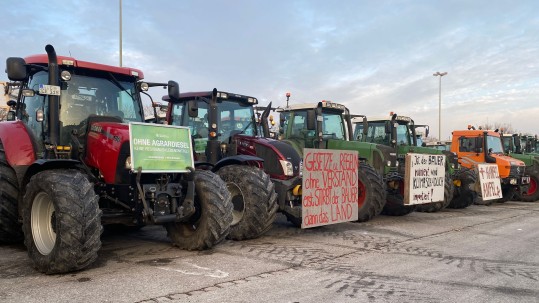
[16, 69]
[427, 132]
[192, 108]
[311, 119]
[173, 90]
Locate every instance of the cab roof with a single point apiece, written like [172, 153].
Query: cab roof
[474, 133]
[42, 59]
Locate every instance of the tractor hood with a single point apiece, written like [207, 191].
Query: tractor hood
[104, 143]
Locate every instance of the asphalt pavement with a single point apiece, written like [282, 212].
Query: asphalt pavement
[478, 254]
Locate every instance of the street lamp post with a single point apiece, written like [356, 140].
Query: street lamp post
[438, 74]
[120, 33]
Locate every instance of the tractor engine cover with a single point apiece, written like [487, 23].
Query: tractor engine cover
[103, 146]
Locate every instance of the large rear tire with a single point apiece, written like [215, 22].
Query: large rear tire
[372, 193]
[395, 206]
[532, 195]
[449, 189]
[10, 228]
[464, 194]
[210, 223]
[254, 199]
[61, 221]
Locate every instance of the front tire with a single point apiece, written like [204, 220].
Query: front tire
[395, 206]
[449, 189]
[210, 223]
[10, 228]
[372, 193]
[464, 193]
[254, 199]
[61, 221]
[533, 189]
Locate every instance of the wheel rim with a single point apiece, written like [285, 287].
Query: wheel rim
[42, 222]
[236, 196]
[362, 194]
[532, 188]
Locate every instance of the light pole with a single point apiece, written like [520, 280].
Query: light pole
[120, 33]
[436, 74]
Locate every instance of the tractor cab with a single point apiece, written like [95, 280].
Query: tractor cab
[231, 115]
[394, 130]
[305, 126]
[83, 93]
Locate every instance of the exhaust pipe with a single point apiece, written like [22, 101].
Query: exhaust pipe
[54, 101]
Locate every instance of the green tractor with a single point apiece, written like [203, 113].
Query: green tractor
[328, 125]
[324, 125]
[523, 148]
[398, 133]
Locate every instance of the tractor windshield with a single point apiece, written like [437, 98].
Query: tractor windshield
[232, 117]
[84, 96]
[375, 134]
[333, 126]
[494, 145]
[403, 134]
[508, 143]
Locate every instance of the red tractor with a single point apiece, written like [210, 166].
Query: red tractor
[226, 135]
[65, 166]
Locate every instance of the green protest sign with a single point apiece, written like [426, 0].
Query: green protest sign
[157, 148]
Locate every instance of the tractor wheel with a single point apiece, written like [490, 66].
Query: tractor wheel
[210, 223]
[533, 190]
[464, 195]
[508, 192]
[449, 189]
[61, 221]
[371, 193]
[254, 199]
[395, 207]
[10, 229]
[293, 219]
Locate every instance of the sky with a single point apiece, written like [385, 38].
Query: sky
[375, 57]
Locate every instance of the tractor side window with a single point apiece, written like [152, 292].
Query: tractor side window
[127, 106]
[403, 135]
[199, 128]
[30, 105]
[177, 114]
[358, 132]
[468, 145]
[299, 124]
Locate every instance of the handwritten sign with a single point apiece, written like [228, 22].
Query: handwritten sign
[329, 187]
[489, 179]
[424, 179]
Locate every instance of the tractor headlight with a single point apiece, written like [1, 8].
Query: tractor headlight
[513, 181]
[287, 167]
[388, 162]
[128, 163]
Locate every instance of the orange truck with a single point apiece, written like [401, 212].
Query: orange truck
[485, 146]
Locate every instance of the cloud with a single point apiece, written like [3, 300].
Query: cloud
[373, 56]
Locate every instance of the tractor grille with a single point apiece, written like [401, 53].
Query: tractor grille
[516, 171]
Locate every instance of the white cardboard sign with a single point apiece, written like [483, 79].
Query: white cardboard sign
[329, 187]
[424, 179]
[489, 179]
